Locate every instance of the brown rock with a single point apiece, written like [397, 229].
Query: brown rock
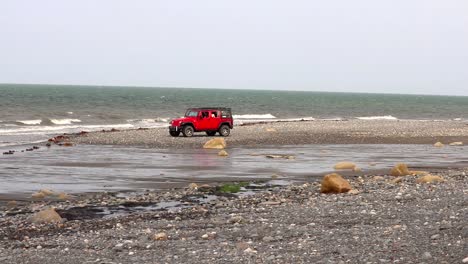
[429, 179]
[345, 165]
[67, 144]
[215, 143]
[334, 183]
[396, 180]
[46, 192]
[11, 204]
[378, 178]
[439, 144]
[458, 143]
[419, 172]
[38, 195]
[223, 153]
[46, 216]
[63, 196]
[193, 186]
[160, 236]
[400, 169]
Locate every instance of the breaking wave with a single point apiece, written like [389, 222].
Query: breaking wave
[66, 121]
[265, 116]
[30, 122]
[387, 117]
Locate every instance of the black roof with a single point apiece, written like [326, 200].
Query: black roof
[211, 108]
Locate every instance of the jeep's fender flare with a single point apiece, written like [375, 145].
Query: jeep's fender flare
[187, 123]
[225, 123]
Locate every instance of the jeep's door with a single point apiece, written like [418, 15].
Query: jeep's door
[214, 120]
[203, 121]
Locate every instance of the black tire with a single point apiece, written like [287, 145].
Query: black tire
[174, 133]
[211, 133]
[188, 131]
[224, 130]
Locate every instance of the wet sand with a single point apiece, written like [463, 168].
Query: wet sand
[297, 133]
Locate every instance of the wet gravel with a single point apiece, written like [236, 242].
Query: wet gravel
[291, 133]
[385, 222]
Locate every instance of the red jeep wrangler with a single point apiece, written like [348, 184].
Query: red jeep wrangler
[208, 119]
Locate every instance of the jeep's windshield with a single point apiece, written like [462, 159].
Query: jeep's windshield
[191, 113]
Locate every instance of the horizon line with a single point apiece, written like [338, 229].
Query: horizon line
[218, 88]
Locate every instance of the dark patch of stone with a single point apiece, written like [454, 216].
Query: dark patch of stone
[81, 213]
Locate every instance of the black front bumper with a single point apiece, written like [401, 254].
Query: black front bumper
[173, 128]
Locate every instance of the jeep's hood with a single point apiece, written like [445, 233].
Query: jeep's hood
[177, 121]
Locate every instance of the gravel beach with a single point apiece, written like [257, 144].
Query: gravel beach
[384, 221]
[300, 132]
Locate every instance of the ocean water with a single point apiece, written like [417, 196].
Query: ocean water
[30, 113]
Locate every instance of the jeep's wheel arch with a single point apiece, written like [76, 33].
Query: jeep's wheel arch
[188, 130]
[224, 130]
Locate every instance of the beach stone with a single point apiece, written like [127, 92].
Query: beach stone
[458, 143]
[354, 192]
[438, 144]
[465, 260]
[193, 186]
[160, 236]
[11, 204]
[334, 183]
[378, 178]
[38, 195]
[215, 143]
[62, 196]
[67, 144]
[280, 156]
[401, 169]
[270, 130]
[250, 251]
[345, 165]
[223, 153]
[429, 179]
[46, 216]
[419, 172]
[396, 180]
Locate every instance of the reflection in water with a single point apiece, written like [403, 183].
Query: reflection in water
[95, 168]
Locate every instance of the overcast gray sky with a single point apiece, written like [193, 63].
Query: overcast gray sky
[393, 46]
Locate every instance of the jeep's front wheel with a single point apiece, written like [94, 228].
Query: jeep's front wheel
[224, 130]
[174, 133]
[211, 133]
[187, 131]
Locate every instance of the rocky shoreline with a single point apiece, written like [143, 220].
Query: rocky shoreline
[386, 219]
[295, 133]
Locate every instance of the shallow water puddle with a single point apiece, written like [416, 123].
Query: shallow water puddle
[188, 201]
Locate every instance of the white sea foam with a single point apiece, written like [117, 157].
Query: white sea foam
[66, 121]
[44, 130]
[70, 113]
[265, 116]
[387, 117]
[148, 123]
[30, 122]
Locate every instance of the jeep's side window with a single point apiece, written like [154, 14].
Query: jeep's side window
[214, 114]
[204, 114]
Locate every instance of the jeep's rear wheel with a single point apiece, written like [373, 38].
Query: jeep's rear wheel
[188, 131]
[211, 133]
[174, 133]
[224, 130]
